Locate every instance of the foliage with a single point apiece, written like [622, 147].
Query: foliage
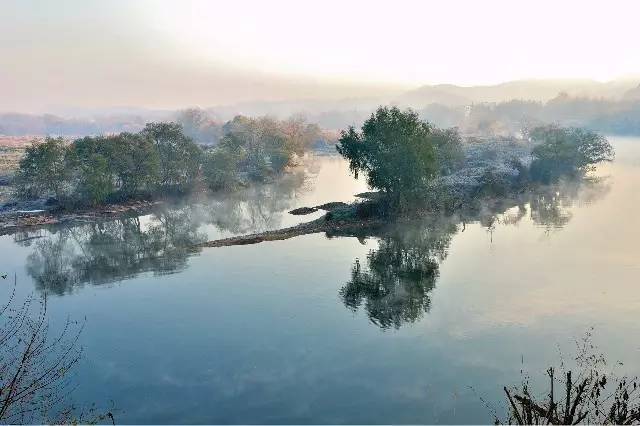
[566, 151]
[199, 126]
[42, 170]
[162, 159]
[107, 168]
[399, 153]
[299, 134]
[179, 156]
[259, 143]
[136, 165]
[258, 148]
[220, 169]
[90, 159]
[492, 183]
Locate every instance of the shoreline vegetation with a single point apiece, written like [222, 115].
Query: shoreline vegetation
[57, 180]
[416, 169]
[412, 167]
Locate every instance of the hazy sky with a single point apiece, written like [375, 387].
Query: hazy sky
[167, 54]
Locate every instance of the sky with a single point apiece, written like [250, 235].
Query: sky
[168, 54]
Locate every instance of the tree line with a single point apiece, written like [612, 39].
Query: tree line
[609, 116]
[401, 156]
[159, 160]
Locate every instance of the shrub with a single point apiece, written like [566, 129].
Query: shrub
[42, 170]
[220, 169]
[566, 151]
[399, 153]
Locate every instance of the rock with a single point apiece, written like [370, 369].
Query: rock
[331, 206]
[303, 211]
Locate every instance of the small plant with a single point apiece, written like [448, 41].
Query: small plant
[589, 395]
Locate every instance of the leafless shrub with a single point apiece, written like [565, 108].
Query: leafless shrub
[588, 395]
[35, 368]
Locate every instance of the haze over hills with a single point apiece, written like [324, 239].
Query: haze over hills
[535, 90]
[442, 103]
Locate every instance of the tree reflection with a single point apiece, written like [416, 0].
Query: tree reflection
[550, 206]
[393, 285]
[257, 208]
[100, 253]
[115, 250]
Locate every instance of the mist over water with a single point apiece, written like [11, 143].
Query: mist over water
[410, 324]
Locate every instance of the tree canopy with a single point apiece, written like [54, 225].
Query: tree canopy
[160, 159]
[566, 151]
[43, 169]
[398, 152]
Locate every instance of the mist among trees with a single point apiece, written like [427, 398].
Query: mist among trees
[161, 159]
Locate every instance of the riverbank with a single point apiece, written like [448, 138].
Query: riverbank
[16, 220]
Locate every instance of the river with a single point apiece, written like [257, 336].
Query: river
[420, 325]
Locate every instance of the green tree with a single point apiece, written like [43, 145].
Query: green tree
[220, 169]
[261, 145]
[566, 151]
[136, 164]
[93, 165]
[42, 170]
[399, 153]
[178, 155]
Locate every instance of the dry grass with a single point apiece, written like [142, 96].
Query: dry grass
[11, 151]
[18, 141]
[9, 159]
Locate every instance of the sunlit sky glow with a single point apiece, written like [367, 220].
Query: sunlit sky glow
[165, 53]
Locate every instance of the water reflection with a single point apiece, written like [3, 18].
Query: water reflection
[111, 251]
[393, 287]
[105, 252]
[392, 284]
[257, 208]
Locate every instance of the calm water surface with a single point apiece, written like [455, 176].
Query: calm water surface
[413, 325]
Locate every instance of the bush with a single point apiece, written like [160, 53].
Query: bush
[566, 151]
[399, 153]
[159, 159]
[588, 395]
[493, 183]
[42, 171]
[179, 157]
[220, 169]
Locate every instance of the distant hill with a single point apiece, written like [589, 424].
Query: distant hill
[15, 124]
[582, 101]
[535, 90]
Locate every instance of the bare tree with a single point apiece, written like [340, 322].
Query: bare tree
[35, 368]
